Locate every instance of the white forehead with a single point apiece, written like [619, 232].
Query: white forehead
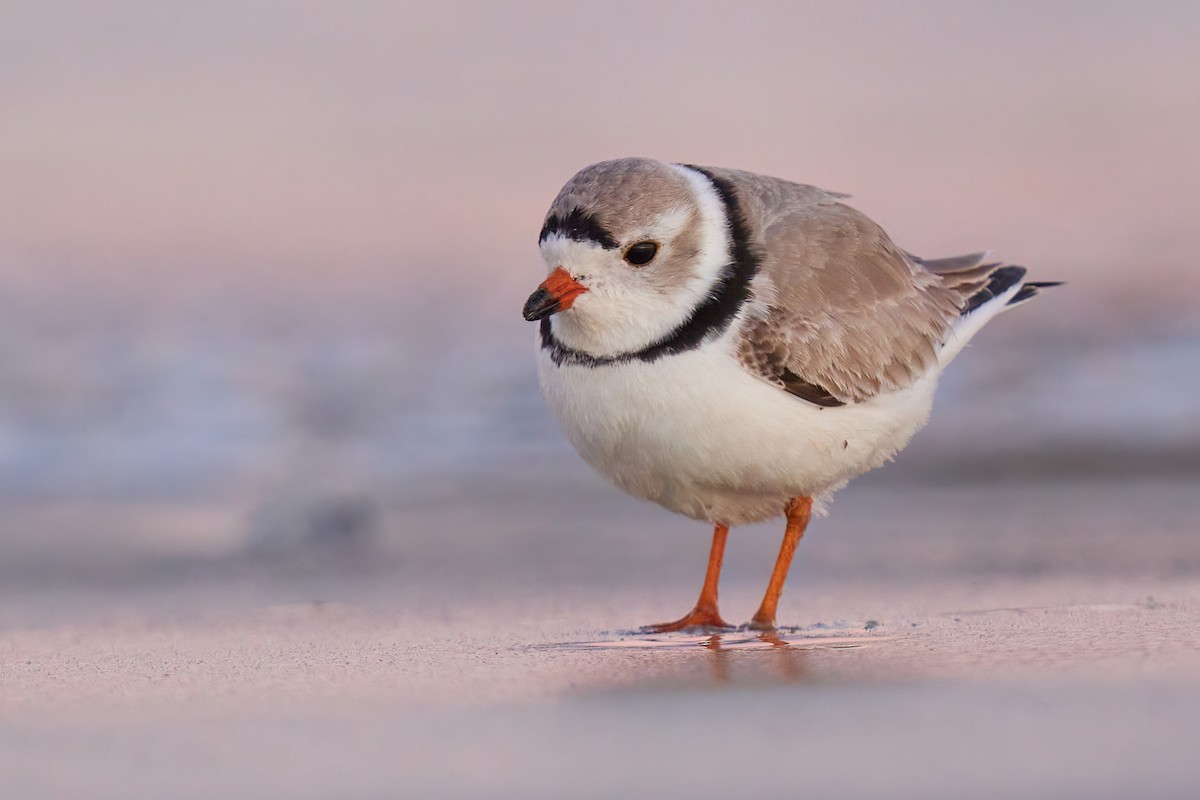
[580, 256]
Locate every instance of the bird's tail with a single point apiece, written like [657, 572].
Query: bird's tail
[988, 289]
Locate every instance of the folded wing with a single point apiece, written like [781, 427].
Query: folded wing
[848, 315]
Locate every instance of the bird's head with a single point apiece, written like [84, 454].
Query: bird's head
[633, 247]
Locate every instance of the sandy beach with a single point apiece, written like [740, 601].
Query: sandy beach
[935, 648]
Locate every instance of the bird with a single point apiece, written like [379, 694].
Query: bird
[737, 347]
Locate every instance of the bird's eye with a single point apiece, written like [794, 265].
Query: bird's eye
[641, 253]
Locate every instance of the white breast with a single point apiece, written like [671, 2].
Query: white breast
[700, 435]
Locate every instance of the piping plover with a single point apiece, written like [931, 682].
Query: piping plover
[737, 347]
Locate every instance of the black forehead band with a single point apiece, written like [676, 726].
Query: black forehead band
[579, 225]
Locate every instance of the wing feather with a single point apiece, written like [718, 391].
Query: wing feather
[844, 314]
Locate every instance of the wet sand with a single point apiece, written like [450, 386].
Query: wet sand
[983, 641]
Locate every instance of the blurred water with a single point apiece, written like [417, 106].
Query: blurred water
[129, 418]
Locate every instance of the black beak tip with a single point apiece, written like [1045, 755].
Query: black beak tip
[539, 305]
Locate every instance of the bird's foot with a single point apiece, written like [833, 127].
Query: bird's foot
[704, 619]
[758, 623]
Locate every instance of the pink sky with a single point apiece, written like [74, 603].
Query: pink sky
[160, 151]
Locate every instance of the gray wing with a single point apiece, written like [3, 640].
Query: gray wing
[848, 314]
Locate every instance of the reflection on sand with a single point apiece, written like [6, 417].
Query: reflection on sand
[734, 640]
[786, 655]
[726, 658]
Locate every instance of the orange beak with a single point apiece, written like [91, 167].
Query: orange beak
[556, 294]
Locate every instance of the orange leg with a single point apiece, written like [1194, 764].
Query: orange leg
[798, 512]
[705, 614]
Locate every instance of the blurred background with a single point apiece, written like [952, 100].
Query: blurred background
[261, 264]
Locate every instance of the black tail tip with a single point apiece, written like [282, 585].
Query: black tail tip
[1031, 289]
[1000, 281]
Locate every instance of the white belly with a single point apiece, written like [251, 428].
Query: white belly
[699, 435]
